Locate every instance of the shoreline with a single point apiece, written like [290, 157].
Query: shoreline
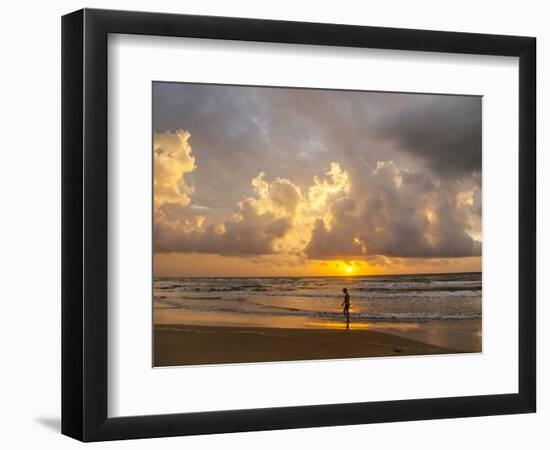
[180, 345]
[462, 335]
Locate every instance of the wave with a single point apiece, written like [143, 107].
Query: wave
[190, 297]
[419, 287]
[319, 286]
[370, 295]
[356, 294]
[365, 316]
[184, 288]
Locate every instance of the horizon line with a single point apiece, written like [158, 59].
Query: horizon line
[319, 276]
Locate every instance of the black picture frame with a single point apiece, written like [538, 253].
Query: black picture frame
[84, 224]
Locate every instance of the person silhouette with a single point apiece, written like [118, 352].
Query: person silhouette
[346, 305]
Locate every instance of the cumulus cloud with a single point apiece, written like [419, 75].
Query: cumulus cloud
[253, 234]
[280, 195]
[261, 220]
[172, 160]
[389, 211]
[393, 212]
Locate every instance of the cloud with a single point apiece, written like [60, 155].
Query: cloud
[279, 195]
[388, 211]
[253, 234]
[260, 222]
[393, 212]
[445, 131]
[172, 160]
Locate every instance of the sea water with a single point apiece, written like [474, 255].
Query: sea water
[385, 298]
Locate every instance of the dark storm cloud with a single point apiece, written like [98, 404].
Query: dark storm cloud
[443, 130]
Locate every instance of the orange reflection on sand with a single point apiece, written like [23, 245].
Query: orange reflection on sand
[337, 325]
[385, 326]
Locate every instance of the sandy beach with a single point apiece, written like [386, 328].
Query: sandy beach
[192, 345]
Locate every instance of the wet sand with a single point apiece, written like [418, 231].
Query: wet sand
[176, 345]
[465, 336]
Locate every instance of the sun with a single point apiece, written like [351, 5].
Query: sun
[341, 268]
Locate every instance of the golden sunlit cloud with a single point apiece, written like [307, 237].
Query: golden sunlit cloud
[172, 160]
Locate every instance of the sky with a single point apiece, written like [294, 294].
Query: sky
[266, 181]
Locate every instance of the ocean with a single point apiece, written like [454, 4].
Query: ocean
[403, 298]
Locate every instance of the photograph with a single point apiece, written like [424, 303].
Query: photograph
[314, 224]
